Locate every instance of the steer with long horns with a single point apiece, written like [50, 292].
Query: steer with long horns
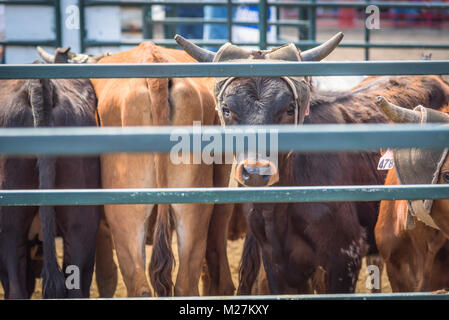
[289, 237]
[413, 236]
[260, 171]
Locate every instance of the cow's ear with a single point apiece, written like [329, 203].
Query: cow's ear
[288, 52]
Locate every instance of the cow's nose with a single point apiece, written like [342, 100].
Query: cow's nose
[255, 175]
[260, 174]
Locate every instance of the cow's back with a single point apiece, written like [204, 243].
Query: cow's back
[359, 106]
[115, 95]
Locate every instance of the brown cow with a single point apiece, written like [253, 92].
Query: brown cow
[416, 252]
[217, 279]
[299, 241]
[105, 267]
[47, 103]
[137, 102]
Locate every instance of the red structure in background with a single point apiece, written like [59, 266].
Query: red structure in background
[418, 17]
[394, 17]
[347, 17]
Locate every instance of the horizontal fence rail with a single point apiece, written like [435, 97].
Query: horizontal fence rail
[303, 44]
[342, 296]
[315, 138]
[183, 70]
[221, 195]
[324, 4]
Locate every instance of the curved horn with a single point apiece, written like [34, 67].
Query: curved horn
[396, 113]
[199, 54]
[49, 58]
[98, 57]
[323, 50]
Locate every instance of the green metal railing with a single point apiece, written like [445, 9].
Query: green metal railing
[310, 138]
[308, 24]
[177, 70]
[307, 138]
[263, 23]
[56, 42]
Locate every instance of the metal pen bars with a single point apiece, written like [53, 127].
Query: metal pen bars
[308, 25]
[180, 70]
[263, 43]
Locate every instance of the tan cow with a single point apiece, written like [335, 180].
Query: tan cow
[217, 278]
[415, 247]
[151, 101]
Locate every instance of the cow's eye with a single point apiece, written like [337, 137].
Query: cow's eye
[291, 109]
[446, 177]
[226, 111]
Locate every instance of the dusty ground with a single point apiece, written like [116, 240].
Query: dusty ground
[342, 54]
[234, 254]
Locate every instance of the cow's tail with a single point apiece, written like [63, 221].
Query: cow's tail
[162, 259]
[250, 265]
[40, 93]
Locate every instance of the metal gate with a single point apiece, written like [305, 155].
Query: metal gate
[310, 138]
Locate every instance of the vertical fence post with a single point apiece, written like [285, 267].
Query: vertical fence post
[229, 23]
[367, 34]
[263, 21]
[58, 25]
[147, 26]
[82, 25]
[312, 21]
[278, 27]
[302, 15]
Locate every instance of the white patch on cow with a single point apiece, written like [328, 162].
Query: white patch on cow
[354, 252]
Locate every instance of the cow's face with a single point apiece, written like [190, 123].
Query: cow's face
[260, 100]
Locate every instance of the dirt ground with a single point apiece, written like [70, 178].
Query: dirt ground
[341, 54]
[234, 253]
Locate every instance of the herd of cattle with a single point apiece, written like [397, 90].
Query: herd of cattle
[292, 247]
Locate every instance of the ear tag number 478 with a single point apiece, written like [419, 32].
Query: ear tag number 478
[386, 162]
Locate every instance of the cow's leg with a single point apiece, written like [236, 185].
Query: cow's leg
[15, 223]
[78, 226]
[105, 267]
[31, 276]
[429, 262]
[5, 282]
[261, 285]
[192, 224]
[220, 282]
[128, 223]
[128, 228]
[343, 272]
[400, 280]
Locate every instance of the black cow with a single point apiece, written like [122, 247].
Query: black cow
[297, 241]
[48, 103]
